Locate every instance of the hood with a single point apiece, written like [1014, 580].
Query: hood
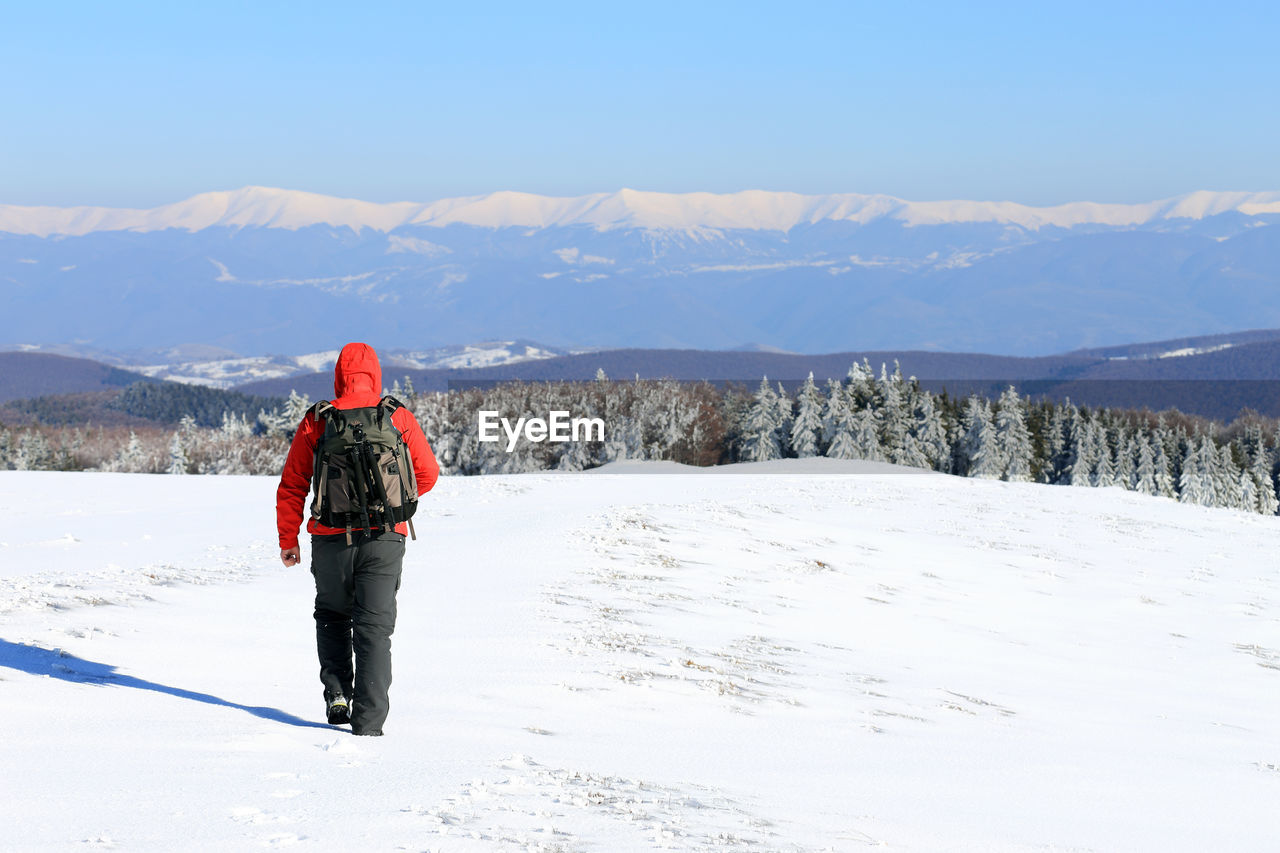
[357, 371]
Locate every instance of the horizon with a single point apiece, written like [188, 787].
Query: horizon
[643, 191]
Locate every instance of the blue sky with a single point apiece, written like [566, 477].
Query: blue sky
[137, 104]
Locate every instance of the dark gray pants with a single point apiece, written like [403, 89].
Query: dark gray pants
[356, 588]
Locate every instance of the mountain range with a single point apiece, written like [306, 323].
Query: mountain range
[269, 270]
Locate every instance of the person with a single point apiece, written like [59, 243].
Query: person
[357, 575]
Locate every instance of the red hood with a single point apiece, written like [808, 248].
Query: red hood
[357, 372]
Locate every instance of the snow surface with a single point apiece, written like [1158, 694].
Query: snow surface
[230, 372]
[599, 662]
[689, 212]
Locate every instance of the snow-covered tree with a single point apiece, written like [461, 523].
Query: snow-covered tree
[132, 459]
[33, 453]
[865, 435]
[898, 442]
[760, 432]
[981, 447]
[1144, 470]
[1013, 440]
[806, 429]
[837, 423]
[931, 433]
[1195, 486]
[178, 461]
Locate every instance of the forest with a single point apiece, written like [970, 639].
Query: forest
[879, 417]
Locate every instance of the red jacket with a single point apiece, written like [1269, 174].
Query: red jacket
[357, 382]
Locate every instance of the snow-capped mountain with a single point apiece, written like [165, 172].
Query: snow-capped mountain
[267, 270]
[754, 210]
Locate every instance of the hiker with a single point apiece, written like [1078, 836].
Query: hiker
[357, 528]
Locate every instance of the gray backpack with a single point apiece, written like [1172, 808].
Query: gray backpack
[363, 476]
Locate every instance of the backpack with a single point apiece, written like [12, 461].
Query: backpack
[363, 476]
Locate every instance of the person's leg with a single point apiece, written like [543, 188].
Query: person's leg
[332, 563]
[377, 577]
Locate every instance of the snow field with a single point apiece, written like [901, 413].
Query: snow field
[772, 661]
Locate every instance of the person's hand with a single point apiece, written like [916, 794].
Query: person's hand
[290, 556]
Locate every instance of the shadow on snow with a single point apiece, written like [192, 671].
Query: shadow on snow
[56, 663]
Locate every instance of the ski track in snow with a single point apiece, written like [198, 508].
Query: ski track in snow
[680, 663]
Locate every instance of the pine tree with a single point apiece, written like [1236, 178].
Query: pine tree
[6, 447]
[1226, 480]
[931, 433]
[983, 450]
[785, 417]
[132, 459]
[1195, 486]
[838, 424]
[178, 461]
[33, 453]
[806, 430]
[1056, 445]
[866, 436]
[897, 438]
[1144, 471]
[1013, 441]
[1082, 453]
[760, 431]
[1105, 473]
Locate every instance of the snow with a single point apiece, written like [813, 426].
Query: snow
[786, 659]
[693, 213]
[230, 372]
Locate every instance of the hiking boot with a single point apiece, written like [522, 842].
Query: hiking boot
[367, 732]
[339, 711]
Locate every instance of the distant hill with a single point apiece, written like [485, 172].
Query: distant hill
[1214, 383]
[1177, 347]
[745, 367]
[24, 374]
[1215, 376]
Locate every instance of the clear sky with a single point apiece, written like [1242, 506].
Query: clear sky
[138, 104]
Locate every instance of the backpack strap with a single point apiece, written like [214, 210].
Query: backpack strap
[321, 410]
[388, 405]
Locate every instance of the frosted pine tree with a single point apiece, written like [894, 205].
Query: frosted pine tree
[132, 459]
[931, 433]
[1265, 500]
[897, 439]
[33, 452]
[1166, 485]
[837, 423]
[1056, 445]
[1195, 486]
[866, 436]
[1082, 456]
[1105, 474]
[806, 429]
[1013, 440]
[178, 461]
[1226, 480]
[786, 419]
[1144, 471]
[296, 407]
[1258, 468]
[760, 431]
[983, 449]
[1247, 491]
[1126, 461]
[235, 426]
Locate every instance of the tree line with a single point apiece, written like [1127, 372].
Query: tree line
[883, 417]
